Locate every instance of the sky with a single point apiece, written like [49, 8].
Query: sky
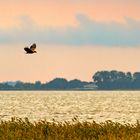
[75, 38]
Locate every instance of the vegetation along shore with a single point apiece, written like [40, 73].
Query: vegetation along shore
[102, 80]
[23, 129]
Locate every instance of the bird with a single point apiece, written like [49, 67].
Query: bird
[30, 50]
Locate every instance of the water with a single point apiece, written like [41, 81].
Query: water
[118, 106]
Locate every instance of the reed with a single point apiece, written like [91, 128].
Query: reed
[23, 129]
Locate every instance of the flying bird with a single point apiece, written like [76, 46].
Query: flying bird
[30, 50]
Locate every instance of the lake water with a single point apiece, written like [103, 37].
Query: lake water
[118, 106]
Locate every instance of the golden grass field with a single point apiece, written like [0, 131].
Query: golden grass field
[23, 129]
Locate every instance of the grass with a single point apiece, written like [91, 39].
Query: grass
[23, 129]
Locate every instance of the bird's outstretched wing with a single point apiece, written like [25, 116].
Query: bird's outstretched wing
[28, 50]
[33, 47]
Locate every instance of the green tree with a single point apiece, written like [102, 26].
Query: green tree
[136, 76]
[57, 83]
[37, 85]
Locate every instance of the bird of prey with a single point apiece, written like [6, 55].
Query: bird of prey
[30, 50]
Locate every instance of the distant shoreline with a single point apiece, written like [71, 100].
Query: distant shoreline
[102, 80]
[72, 90]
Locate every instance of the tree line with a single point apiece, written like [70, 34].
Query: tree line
[103, 80]
[55, 84]
[110, 80]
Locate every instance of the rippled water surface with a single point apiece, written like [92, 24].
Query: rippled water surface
[119, 106]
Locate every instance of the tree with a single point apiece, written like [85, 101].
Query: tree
[76, 84]
[136, 80]
[114, 75]
[114, 79]
[136, 76]
[37, 85]
[19, 85]
[57, 83]
[129, 76]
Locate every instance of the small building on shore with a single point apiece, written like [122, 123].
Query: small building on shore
[91, 86]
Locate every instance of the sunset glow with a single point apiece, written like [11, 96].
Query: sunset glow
[74, 38]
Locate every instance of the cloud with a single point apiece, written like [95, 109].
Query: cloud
[88, 32]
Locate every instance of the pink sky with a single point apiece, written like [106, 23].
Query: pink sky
[65, 60]
[56, 13]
